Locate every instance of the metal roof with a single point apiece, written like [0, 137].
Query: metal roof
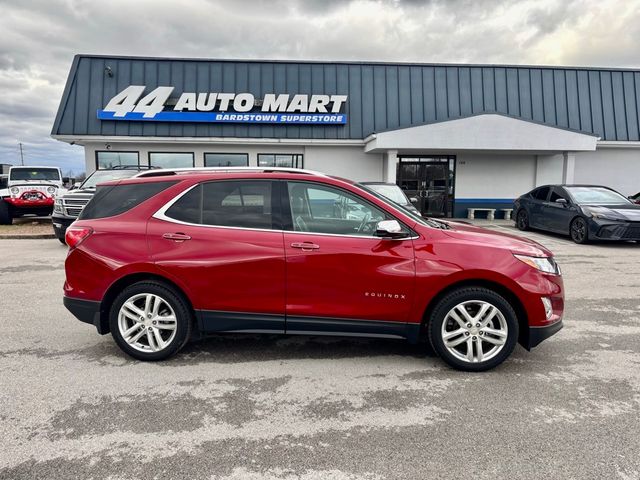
[382, 96]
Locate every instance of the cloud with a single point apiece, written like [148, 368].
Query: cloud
[39, 39]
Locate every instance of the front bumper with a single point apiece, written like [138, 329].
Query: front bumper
[24, 203]
[607, 230]
[86, 311]
[60, 225]
[538, 334]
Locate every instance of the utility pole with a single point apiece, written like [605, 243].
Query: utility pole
[21, 154]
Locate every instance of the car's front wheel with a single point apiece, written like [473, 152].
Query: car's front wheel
[522, 220]
[578, 230]
[473, 329]
[150, 321]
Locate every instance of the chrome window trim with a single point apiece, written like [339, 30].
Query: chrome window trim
[161, 215]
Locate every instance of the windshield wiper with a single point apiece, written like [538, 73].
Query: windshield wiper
[436, 224]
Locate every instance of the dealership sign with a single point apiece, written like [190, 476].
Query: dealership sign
[224, 107]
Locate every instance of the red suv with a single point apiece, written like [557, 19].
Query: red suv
[171, 255]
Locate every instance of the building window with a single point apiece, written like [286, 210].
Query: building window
[226, 160]
[111, 159]
[280, 160]
[171, 160]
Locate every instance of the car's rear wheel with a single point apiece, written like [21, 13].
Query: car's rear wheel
[522, 220]
[5, 213]
[150, 321]
[578, 230]
[473, 329]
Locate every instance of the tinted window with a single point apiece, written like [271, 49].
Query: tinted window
[34, 174]
[110, 159]
[555, 195]
[540, 193]
[116, 199]
[188, 208]
[237, 204]
[171, 160]
[226, 160]
[322, 209]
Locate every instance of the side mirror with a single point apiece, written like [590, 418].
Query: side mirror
[413, 200]
[390, 229]
[562, 201]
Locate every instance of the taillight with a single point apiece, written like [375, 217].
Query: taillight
[76, 235]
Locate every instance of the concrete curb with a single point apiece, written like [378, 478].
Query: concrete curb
[28, 236]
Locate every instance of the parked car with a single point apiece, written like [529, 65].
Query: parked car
[394, 193]
[29, 191]
[171, 254]
[584, 212]
[67, 207]
[635, 198]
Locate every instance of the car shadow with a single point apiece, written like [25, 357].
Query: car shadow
[234, 348]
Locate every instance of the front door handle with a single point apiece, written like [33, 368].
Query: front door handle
[176, 237]
[305, 246]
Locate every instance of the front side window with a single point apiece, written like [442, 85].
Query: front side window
[227, 204]
[540, 193]
[171, 160]
[556, 195]
[111, 159]
[280, 160]
[226, 160]
[323, 209]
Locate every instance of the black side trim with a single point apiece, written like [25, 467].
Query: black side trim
[86, 311]
[343, 326]
[539, 334]
[215, 321]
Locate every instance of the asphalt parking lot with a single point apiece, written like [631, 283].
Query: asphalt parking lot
[255, 407]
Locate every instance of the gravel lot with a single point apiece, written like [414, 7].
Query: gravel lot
[254, 407]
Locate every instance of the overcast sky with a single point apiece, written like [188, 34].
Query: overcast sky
[39, 38]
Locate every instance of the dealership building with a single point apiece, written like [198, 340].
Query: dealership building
[452, 136]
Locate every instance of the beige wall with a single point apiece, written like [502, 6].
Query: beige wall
[494, 175]
[618, 168]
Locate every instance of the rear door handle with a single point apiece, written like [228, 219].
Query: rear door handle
[305, 246]
[177, 237]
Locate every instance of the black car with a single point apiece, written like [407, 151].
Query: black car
[68, 206]
[584, 212]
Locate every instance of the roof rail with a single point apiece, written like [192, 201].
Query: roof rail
[175, 171]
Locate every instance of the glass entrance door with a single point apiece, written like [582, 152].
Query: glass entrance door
[430, 181]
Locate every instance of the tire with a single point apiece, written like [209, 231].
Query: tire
[149, 328]
[61, 239]
[579, 231]
[500, 326]
[522, 220]
[5, 213]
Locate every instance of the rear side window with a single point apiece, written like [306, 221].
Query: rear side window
[113, 200]
[540, 193]
[226, 204]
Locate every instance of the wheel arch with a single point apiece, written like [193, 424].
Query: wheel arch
[123, 282]
[512, 298]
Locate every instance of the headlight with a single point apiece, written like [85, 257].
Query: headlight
[544, 264]
[604, 214]
[15, 190]
[51, 190]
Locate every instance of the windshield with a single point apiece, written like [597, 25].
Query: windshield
[595, 196]
[392, 192]
[421, 220]
[100, 176]
[51, 174]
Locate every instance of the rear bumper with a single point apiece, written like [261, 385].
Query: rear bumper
[86, 311]
[538, 334]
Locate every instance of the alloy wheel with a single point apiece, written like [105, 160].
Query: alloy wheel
[474, 331]
[578, 230]
[147, 322]
[523, 222]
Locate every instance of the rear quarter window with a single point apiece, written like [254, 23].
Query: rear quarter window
[113, 200]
